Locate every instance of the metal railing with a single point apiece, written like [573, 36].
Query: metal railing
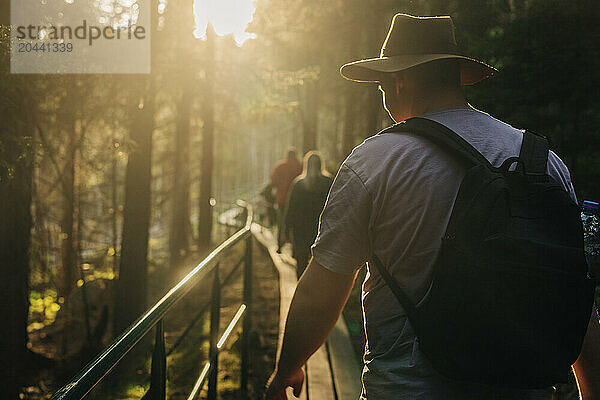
[91, 374]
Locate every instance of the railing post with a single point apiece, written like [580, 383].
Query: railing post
[158, 370]
[215, 315]
[247, 319]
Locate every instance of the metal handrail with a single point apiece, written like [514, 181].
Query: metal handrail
[94, 371]
[210, 363]
[202, 310]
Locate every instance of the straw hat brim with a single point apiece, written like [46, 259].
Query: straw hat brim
[371, 70]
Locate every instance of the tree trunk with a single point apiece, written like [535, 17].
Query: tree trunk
[131, 288]
[132, 283]
[17, 113]
[310, 117]
[84, 294]
[205, 206]
[180, 230]
[15, 226]
[67, 224]
[348, 134]
[114, 205]
[178, 238]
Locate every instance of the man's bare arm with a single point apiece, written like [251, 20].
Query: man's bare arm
[587, 366]
[317, 304]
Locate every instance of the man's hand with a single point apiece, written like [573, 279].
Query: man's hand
[277, 384]
[317, 304]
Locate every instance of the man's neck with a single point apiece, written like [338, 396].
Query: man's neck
[443, 104]
[427, 102]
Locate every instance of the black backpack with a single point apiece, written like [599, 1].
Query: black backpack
[510, 298]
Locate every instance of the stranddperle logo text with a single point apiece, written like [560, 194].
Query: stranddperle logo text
[80, 36]
[83, 31]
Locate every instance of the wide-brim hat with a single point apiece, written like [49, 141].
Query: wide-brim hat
[412, 41]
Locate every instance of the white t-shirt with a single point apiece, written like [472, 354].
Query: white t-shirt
[396, 191]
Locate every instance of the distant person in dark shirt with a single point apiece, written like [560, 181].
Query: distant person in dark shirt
[307, 198]
[284, 173]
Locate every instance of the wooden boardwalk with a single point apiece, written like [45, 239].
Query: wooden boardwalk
[333, 372]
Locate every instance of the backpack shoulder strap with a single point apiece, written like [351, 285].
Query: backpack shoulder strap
[448, 139]
[441, 135]
[534, 153]
[405, 302]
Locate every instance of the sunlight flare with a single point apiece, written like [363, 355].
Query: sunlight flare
[226, 16]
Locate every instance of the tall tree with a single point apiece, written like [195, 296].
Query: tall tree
[131, 289]
[180, 215]
[208, 132]
[350, 110]
[15, 225]
[180, 222]
[310, 115]
[351, 95]
[17, 111]
[70, 126]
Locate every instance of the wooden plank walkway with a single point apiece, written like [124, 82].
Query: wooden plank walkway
[338, 380]
[347, 370]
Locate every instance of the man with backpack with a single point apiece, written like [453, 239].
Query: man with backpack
[477, 286]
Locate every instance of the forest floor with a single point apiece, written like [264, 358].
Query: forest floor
[131, 378]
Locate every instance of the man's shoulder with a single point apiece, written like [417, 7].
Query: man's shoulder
[383, 155]
[385, 142]
[385, 146]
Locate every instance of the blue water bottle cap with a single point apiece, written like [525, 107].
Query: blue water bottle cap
[589, 206]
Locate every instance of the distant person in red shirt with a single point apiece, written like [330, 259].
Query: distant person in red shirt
[284, 173]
